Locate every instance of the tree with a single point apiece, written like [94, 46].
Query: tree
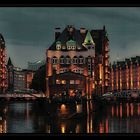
[39, 80]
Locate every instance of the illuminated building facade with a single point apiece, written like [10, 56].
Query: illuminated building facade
[125, 75]
[78, 55]
[3, 80]
[18, 79]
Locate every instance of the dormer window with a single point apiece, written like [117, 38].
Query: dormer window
[58, 45]
[71, 45]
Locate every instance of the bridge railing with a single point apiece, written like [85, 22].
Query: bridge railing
[21, 95]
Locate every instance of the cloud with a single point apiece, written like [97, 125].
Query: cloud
[31, 29]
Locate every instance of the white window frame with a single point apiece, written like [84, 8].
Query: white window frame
[58, 46]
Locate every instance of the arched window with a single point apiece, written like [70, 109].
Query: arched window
[81, 59]
[75, 60]
[62, 60]
[68, 60]
[54, 60]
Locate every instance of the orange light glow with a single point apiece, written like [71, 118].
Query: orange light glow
[106, 126]
[117, 112]
[63, 82]
[100, 128]
[138, 109]
[127, 109]
[77, 129]
[100, 71]
[121, 110]
[112, 111]
[132, 109]
[63, 128]
[63, 108]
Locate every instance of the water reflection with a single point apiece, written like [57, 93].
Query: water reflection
[32, 117]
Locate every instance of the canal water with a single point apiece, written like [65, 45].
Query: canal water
[33, 117]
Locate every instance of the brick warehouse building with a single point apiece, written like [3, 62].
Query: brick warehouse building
[3, 79]
[125, 75]
[78, 60]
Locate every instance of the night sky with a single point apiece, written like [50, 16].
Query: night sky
[29, 31]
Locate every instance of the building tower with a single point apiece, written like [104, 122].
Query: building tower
[3, 81]
[10, 75]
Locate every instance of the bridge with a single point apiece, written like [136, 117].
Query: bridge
[26, 96]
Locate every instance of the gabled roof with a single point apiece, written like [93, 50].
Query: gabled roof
[65, 36]
[88, 37]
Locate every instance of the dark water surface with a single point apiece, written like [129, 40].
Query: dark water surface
[31, 117]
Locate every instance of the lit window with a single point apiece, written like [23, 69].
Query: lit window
[63, 81]
[58, 81]
[77, 82]
[71, 81]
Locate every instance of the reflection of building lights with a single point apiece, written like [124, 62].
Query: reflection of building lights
[0, 128]
[112, 111]
[131, 108]
[121, 110]
[100, 128]
[138, 109]
[106, 126]
[77, 128]
[63, 108]
[117, 111]
[48, 129]
[79, 108]
[63, 128]
[127, 110]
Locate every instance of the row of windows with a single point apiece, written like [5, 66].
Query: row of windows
[68, 61]
[70, 82]
[70, 45]
[74, 70]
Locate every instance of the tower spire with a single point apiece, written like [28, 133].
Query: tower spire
[9, 63]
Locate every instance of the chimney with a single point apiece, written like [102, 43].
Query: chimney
[57, 32]
[104, 27]
[82, 30]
